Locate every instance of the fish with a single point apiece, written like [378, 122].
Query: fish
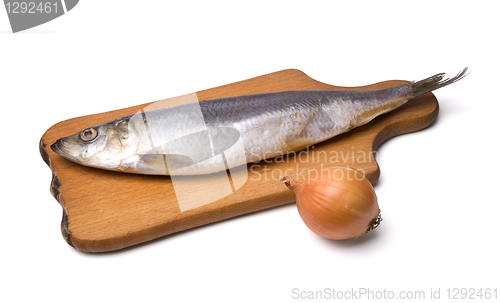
[214, 135]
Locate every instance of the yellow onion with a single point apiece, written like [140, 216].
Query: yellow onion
[336, 202]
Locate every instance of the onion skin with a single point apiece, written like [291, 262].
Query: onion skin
[337, 203]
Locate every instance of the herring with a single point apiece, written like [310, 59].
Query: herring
[219, 134]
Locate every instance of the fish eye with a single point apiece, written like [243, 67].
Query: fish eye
[88, 134]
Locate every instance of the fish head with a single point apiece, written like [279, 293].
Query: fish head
[102, 146]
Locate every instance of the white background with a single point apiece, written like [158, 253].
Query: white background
[438, 187]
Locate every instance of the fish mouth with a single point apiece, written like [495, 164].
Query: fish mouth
[59, 148]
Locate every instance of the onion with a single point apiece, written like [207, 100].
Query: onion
[336, 202]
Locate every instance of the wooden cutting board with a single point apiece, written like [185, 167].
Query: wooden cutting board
[106, 211]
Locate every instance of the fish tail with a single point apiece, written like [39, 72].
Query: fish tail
[429, 84]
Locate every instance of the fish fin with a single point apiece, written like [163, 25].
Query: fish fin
[429, 84]
[152, 164]
[161, 164]
[175, 161]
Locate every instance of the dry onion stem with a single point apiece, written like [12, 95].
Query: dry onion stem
[336, 202]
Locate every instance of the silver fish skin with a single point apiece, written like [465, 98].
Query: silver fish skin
[214, 135]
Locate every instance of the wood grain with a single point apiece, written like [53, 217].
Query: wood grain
[106, 211]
